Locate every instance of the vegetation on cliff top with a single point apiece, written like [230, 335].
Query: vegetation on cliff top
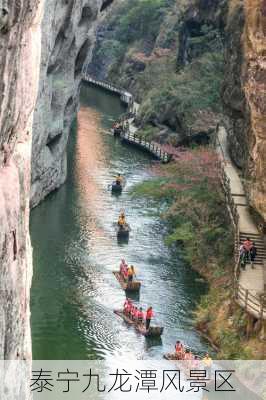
[171, 61]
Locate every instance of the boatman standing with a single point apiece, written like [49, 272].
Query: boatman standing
[149, 315]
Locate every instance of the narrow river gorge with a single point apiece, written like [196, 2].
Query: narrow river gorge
[75, 250]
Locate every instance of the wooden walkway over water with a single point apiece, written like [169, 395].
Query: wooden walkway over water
[151, 147]
[125, 96]
[249, 283]
[129, 134]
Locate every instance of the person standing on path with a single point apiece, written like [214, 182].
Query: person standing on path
[248, 246]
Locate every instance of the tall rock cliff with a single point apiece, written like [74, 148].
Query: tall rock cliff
[244, 95]
[67, 39]
[66, 42]
[19, 66]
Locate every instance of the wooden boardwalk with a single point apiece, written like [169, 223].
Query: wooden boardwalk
[125, 96]
[151, 147]
[129, 135]
[249, 283]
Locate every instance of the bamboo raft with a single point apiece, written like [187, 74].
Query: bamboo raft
[133, 286]
[116, 188]
[154, 331]
[174, 357]
[171, 357]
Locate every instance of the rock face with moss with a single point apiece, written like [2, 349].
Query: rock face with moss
[20, 36]
[67, 39]
[169, 54]
[244, 95]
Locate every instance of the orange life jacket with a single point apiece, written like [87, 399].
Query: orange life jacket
[140, 314]
[178, 348]
[149, 314]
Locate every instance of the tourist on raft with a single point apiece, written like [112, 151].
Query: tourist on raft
[189, 358]
[149, 315]
[119, 180]
[179, 350]
[196, 362]
[124, 269]
[127, 307]
[140, 316]
[132, 312]
[131, 273]
[122, 219]
[137, 315]
[128, 273]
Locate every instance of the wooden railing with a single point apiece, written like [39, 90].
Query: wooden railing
[253, 304]
[230, 200]
[126, 135]
[151, 147]
[126, 97]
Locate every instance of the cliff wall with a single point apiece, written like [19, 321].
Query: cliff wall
[65, 30]
[244, 95]
[67, 36]
[254, 84]
[20, 37]
[67, 40]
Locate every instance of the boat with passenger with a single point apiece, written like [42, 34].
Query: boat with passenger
[126, 276]
[117, 185]
[123, 227]
[141, 320]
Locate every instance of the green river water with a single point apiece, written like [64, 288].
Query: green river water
[75, 250]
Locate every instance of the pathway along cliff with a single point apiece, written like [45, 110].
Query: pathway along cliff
[74, 291]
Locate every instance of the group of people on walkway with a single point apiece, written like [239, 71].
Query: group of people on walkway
[137, 315]
[247, 253]
[127, 272]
